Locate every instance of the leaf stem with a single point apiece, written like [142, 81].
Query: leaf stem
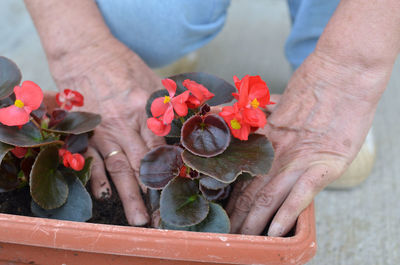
[38, 126]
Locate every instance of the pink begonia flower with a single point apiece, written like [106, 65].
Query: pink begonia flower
[28, 96]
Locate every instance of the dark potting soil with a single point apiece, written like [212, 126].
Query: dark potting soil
[104, 211]
[108, 211]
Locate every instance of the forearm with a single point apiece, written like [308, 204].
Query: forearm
[357, 50]
[67, 26]
[363, 34]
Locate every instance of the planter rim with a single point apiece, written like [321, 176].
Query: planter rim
[164, 244]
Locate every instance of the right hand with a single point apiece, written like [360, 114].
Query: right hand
[116, 84]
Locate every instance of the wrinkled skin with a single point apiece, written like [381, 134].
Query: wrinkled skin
[116, 84]
[316, 129]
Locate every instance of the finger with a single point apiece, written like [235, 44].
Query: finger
[267, 201]
[235, 194]
[135, 149]
[99, 184]
[125, 181]
[216, 109]
[302, 194]
[245, 201]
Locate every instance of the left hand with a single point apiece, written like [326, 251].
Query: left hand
[316, 130]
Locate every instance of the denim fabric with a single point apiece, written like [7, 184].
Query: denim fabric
[309, 18]
[162, 31]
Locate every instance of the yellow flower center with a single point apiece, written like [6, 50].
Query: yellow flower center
[18, 103]
[235, 124]
[167, 99]
[255, 103]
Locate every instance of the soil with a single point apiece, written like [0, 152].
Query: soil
[108, 211]
[104, 211]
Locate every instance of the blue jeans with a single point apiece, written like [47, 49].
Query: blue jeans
[161, 32]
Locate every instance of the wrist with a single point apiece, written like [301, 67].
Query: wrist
[347, 77]
[106, 52]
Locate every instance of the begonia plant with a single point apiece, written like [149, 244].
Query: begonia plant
[207, 152]
[42, 148]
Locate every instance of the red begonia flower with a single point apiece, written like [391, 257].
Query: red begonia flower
[233, 116]
[75, 161]
[200, 93]
[19, 152]
[254, 117]
[158, 127]
[163, 108]
[69, 98]
[28, 98]
[183, 172]
[253, 92]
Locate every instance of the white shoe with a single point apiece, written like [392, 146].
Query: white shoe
[360, 168]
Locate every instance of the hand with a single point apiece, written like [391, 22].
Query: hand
[316, 130]
[116, 84]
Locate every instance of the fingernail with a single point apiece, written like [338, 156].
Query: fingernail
[104, 194]
[140, 219]
[275, 230]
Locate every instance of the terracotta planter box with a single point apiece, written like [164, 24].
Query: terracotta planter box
[28, 240]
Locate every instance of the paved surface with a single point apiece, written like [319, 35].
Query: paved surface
[360, 226]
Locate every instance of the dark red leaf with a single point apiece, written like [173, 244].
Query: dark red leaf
[205, 136]
[160, 165]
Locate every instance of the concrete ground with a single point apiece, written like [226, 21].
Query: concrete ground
[358, 226]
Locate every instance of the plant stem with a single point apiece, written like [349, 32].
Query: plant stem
[38, 126]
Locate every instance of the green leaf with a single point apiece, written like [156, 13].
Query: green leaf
[10, 76]
[253, 156]
[181, 204]
[84, 174]
[217, 221]
[160, 165]
[76, 123]
[27, 136]
[221, 89]
[78, 206]
[4, 149]
[205, 135]
[48, 187]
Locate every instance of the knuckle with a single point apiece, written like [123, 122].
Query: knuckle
[264, 199]
[98, 167]
[117, 164]
[312, 185]
[290, 207]
[244, 203]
